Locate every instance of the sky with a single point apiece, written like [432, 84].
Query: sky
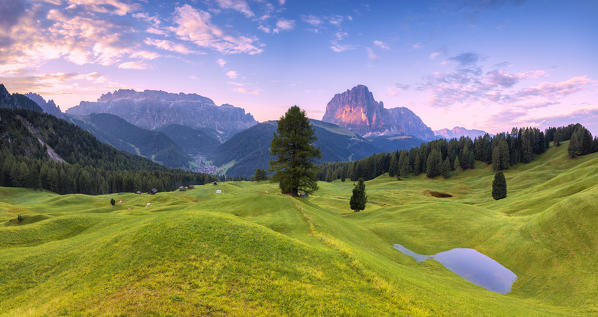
[487, 64]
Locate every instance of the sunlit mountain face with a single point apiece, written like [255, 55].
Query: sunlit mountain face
[485, 65]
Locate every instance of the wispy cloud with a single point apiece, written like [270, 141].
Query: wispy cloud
[168, 45]
[555, 90]
[372, 57]
[284, 25]
[433, 55]
[417, 45]
[232, 74]
[196, 26]
[237, 5]
[147, 55]
[381, 44]
[133, 65]
[312, 20]
[244, 90]
[339, 48]
[104, 6]
[221, 62]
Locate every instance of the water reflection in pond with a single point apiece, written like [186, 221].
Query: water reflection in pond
[472, 266]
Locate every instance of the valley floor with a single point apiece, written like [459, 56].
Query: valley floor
[252, 251]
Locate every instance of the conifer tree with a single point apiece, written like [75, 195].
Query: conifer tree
[292, 145]
[112, 202]
[457, 164]
[499, 186]
[417, 169]
[404, 163]
[359, 198]
[500, 156]
[445, 168]
[394, 163]
[433, 163]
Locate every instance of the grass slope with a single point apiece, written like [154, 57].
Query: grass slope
[252, 251]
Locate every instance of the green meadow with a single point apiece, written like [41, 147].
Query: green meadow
[252, 251]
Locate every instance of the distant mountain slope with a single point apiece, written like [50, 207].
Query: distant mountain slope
[358, 111]
[37, 135]
[394, 143]
[191, 141]
[458, 132]
[47, 106]
[250, 149]
[16, 101]
[153, 109]
[117, 132]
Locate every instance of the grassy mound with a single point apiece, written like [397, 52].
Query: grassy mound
[252, 251]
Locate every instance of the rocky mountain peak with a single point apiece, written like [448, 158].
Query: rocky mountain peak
[47, 106]
[357, 110]
[152, 109]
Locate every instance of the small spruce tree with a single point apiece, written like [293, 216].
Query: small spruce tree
[112, 202]
[499, 186]
[359, 198]
[445, 168]
[457, 164]
[433, 164]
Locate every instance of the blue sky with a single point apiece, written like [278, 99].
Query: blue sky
[487, 64]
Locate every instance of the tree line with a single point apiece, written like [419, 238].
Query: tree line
[440, 157]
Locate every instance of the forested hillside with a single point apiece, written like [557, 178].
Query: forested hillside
[122, 135]
[440, 157]
[16, 101]
[41, 151]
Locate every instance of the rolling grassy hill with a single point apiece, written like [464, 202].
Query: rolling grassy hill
[252, 251]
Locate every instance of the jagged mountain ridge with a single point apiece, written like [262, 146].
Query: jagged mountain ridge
[47, 106]
[458, 132]
[357, 110]
[152, 109]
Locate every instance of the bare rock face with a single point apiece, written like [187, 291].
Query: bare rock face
[358, 111]
[152, 109]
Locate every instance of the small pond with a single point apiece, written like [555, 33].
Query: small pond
[472, 266]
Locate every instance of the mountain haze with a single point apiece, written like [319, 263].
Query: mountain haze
[458, 132]
[152, 109]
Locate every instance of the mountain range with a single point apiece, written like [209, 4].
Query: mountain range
[152, 109]
[458, 132]
[189, 131]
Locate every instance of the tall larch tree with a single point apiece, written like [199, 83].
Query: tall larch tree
[292, 145]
